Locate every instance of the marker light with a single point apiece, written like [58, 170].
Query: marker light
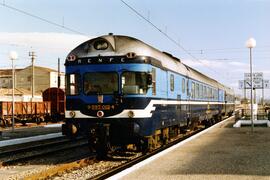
[131, 114]
[72, 114]
[71, 57]
[131, 55]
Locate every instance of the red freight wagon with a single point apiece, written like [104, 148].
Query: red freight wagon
[57, 98]
[25, 111]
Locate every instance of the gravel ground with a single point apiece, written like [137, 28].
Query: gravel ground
[222, 153]
[21, 170]
[36, 165]
[97, 168]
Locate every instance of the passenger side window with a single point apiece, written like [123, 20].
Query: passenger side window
[188, 88]
[201, 93]
[183, 85]
[172, 82]
[197, 91]
[208, 93]
[204, 92]
[193, 90]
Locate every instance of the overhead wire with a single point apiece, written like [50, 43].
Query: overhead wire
[168, 37]
[42, 19]
[133, 9]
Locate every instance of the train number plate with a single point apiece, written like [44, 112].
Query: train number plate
[100, 107]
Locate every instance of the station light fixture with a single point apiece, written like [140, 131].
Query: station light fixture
[13, 55]
[251, 43]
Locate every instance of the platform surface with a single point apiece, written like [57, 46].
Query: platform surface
[223, 152]
[23, 132]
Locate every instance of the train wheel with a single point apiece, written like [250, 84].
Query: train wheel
[142, 146]
[165, 136]
[101, 143]
[207, 123]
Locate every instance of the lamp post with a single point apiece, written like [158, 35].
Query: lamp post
[251, 43]
[13, 56]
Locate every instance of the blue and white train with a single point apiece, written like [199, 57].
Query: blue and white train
[121, 91]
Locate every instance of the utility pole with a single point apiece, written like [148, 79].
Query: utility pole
[33, 55]
[245, 97]
[262, 92]
[59, 75]
[58, 85]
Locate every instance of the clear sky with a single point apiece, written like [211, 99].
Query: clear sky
[213, 32]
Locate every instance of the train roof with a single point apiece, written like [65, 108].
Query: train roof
[118, 45]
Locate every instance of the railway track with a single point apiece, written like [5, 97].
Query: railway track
[13, 154]
[134, 161]
[115, 163]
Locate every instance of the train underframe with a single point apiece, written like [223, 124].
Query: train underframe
[142, 134]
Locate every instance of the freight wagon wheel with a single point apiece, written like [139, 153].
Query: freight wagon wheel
[2, 123]
[37, 120]
[7, 122]
[23, 122]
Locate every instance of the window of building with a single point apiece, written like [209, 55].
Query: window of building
[29, 78]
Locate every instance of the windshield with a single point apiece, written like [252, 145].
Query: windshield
[134, 82]
[100, 83]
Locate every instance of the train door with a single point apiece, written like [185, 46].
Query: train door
[188, 99]
[163, 81]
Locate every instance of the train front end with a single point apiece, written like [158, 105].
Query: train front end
[107, 93]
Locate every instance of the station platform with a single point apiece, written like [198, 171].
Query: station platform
[223, 152]
[27, 132]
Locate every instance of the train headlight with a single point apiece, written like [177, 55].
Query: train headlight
[131, 114]
[72, 114]
[100, 114]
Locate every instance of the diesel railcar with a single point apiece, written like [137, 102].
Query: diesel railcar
[121, 91]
